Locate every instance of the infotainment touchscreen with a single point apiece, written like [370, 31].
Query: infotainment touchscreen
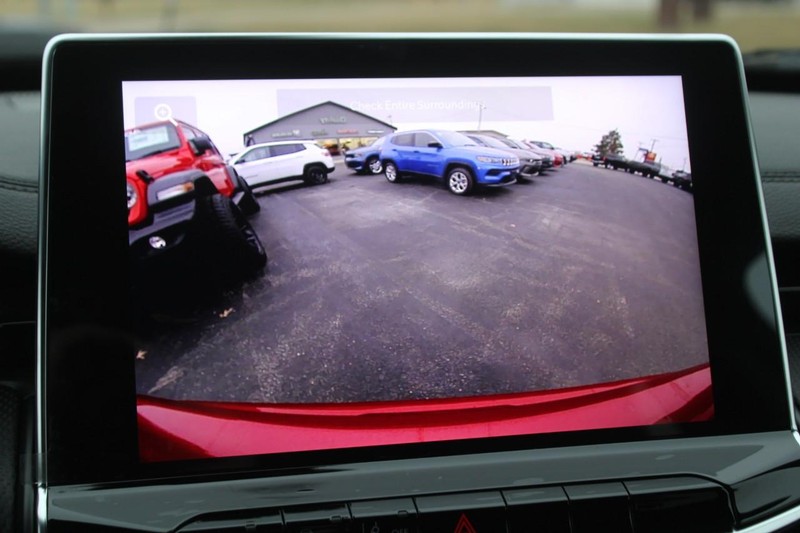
[336, 281]
[337, 263]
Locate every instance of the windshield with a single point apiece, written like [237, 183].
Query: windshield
[513, 144]
[144, 142]
[543, 144]
[754, 24]
[454, 138]
[494, 142]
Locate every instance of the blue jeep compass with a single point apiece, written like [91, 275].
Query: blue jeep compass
[449, 156]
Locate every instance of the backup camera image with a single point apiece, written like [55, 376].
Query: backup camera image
[321, 264]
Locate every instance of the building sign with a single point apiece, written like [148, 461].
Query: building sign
[319, 133]
[341, 119]
[376, 132]
[284, 134]
[347, 131]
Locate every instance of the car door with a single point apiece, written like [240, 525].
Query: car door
[428, 156]
[286, 160]
[401, 150]
[211, 161]
[253, 165]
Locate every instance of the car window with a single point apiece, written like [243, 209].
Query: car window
[144, 142]
[285, 149]
[423, 139]
[188, 133]
[254, 155]
[404, 139]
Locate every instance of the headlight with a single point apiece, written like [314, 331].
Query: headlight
[132, 196]
[175, 190]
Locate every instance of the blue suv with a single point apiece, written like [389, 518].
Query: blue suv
[449, 156]
[366, 159]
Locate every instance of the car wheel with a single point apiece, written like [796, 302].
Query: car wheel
[248, 204]
[390, 171]
[460, 181]
[315, 175]
[231, 236]
[374, 165]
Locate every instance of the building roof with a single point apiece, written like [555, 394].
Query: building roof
[329, 102]
[493, 133]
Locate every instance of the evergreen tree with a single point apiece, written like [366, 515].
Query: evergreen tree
[610, 143]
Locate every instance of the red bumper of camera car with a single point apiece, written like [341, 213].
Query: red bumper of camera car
[178, 430]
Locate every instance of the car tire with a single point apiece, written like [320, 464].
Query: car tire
[460, 181]
[248, 204]
[231, 236]
[315, 175]
[391, 173]
[374, 165]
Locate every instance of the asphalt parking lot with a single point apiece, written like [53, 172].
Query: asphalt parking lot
[380, 291]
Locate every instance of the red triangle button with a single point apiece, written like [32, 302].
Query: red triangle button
[464, 525]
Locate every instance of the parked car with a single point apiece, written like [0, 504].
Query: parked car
[648, 169]
[547, 159]
[449, 156]
[558, 159]
[681, 179]
[180, 191]
[615, 161]
[366, 159]
[530, 162]
[280, 161]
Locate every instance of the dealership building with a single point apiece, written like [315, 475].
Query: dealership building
[330, 124]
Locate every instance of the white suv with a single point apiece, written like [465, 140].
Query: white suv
[274, 162]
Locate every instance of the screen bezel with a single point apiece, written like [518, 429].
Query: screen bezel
[92, 436]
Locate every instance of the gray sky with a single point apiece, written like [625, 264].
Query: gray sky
[570, 112]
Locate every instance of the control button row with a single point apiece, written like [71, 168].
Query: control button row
[661, 505]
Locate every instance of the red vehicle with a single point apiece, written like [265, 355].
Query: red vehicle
[179, 430]
[181, 190]
[536, 146]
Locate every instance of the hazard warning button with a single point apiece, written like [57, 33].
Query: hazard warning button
[477, 512]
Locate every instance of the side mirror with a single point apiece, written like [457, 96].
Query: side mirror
[435, 145]
[200, 145]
